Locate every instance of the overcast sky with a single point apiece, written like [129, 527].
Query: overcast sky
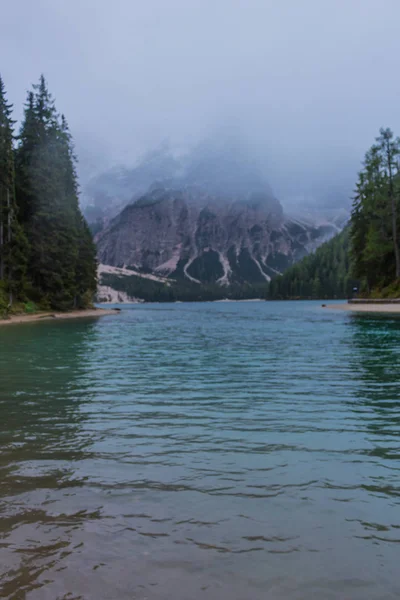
[309, 81]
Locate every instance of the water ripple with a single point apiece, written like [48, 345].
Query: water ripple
[233, 450]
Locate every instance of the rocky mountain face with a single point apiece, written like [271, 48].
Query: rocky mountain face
[193, 235]
[207, 217]
[105, 195]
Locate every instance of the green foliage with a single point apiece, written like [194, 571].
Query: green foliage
[30, 307]
[4, 303]
[366, 254]
[324, 274]
[86, 267]
[13, 243]
[183, 291]
[206, 267]
[47, 252]
[390, 291]
[374, 228]
[243, 267]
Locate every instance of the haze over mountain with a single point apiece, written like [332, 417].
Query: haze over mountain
[222, 165]
[207, 217]
[308, 83]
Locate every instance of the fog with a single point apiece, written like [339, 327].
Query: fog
[306, 83]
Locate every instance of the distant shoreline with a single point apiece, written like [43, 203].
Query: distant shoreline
[50, 316]
[367, 307]
[146, 302]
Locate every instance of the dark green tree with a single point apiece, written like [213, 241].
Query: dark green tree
[374, 227]
[13, 244]
[47, 193]
[24, 162]
[86, 263]
[321, 275]
[389, 151]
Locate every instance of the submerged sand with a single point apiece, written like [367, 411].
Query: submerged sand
[46, 316]
[367, 307]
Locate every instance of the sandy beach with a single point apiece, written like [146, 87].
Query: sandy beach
[46, 316]
[367, 307]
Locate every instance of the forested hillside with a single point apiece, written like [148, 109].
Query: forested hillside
[179, 291]
[366, 254]
[324, 274]
[47, 255]
[48, 258]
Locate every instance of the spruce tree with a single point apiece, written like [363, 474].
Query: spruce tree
[6, 173]
[86, 264]
[24, 163]
[86, 269]
[374, 227]
[389, 149]
[47, 192]
[13, 244]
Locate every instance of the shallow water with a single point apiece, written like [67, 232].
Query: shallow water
[221, 451]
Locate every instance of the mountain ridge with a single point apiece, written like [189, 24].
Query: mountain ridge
[193, 235]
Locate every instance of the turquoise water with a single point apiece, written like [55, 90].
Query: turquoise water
[244, 450]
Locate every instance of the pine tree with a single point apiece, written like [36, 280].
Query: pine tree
[47, 193]
[86, 264]
[374, 227]
[6, 174]
[24, 162]
[13, 244]
[86, 276]
[389, 152]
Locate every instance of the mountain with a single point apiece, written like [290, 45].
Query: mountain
[106, 194]
[190, 234]
[211, 218]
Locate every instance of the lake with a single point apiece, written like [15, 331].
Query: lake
[232, 450]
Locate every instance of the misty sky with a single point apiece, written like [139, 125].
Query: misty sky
[309, 82]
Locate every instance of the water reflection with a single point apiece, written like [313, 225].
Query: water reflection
[42, 443]
[188, 451]
[376, 361]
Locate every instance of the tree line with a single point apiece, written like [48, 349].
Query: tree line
[47, 255]
[366, 254]
[323, 274]
[179, 290]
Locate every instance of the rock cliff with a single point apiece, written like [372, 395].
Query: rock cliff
[192, 234]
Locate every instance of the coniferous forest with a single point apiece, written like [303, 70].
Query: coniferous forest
[366, 254]
[323, 274]
[374, 224]
[47, 255]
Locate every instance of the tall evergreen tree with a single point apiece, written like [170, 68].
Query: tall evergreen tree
[47, 192]
[86, 263]
[24, 162]
[6, 173]
[389, 150]
[13, 244]
[374, 226]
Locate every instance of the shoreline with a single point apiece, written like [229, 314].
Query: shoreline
[50, 316]
[378, 307]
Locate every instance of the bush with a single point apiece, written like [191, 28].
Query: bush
[390, 291]
[4, 300]
[30, 307]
